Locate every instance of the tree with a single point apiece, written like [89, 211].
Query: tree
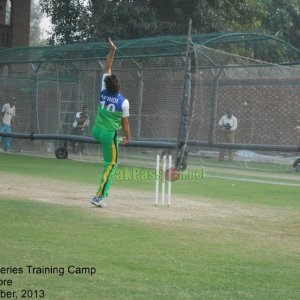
[93, 20]
[35, 30]
[70, 20]
[283, 19]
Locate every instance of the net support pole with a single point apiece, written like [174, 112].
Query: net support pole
[34, 100]
[181, 153]
[214, 105]
[140, 104]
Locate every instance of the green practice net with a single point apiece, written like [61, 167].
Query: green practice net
[264, 98]
[53, 83]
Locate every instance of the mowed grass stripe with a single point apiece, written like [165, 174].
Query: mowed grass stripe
[216, 188]
[139, 261]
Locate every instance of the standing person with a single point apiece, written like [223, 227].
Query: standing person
[8, 112]
[81, 123]
[228, 123]
[112, 115]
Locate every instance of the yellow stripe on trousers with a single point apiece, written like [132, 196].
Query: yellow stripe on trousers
[109, 168]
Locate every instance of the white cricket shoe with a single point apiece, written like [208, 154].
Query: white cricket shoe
[98, 201]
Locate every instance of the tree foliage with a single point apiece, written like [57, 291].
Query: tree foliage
[35, 31]
[70, 20]
[93, 20]
[283, 19]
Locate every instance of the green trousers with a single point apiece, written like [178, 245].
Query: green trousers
[110, 149]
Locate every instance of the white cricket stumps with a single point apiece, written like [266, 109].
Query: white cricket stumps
[163, 179]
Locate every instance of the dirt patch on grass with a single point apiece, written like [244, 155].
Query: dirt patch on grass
[261, 221]
[123, 202]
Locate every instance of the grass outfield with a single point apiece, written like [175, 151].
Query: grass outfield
[217, 188]
[258, 258]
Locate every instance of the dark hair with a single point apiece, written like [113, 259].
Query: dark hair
[229, 111]
[112, 84]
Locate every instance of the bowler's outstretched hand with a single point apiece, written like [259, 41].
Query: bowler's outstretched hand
[111, 43]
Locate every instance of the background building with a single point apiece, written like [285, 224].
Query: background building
[14, 23]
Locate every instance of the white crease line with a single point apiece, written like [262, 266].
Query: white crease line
[256, 180]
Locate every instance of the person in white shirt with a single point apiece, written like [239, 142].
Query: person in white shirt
[8, 112]
[81, 123]
[228, 124]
